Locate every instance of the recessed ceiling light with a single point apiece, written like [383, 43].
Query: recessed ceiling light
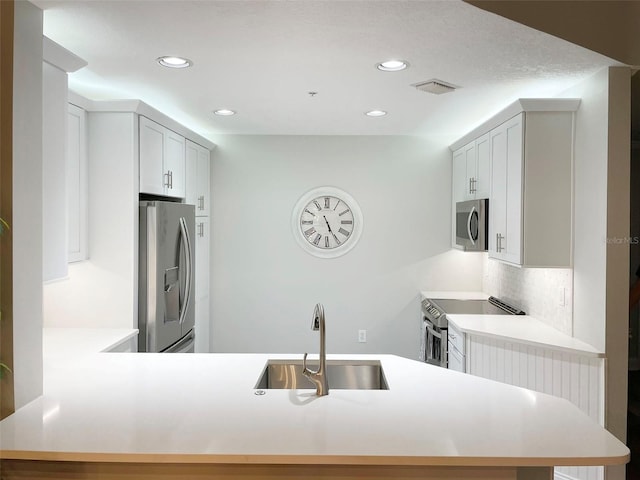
[376, 113]
[392, 65]
[174, 62]
[224, 112]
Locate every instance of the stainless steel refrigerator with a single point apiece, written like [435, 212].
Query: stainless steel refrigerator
[166, 317]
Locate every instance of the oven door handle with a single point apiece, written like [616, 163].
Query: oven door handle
[433, 332]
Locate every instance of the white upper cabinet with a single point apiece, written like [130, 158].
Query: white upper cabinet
[197, 164]
[527, 151]
[505, 203]
[471, 176]
[482, 174]
[472, 170]
[530, 217]
[162, 160]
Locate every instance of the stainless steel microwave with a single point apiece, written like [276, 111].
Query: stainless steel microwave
[472, 225]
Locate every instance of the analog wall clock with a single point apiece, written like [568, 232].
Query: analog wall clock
[327, 222]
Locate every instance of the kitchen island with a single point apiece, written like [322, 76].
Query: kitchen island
[184, 415]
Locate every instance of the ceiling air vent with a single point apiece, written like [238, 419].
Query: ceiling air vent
[435, 86]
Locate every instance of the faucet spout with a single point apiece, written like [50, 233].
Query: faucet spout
[318, 377]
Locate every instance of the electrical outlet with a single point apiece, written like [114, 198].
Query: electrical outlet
[362, 336]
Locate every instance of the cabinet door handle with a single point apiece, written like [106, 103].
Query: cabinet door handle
[499, 246]
[470, 185]
[166, 181]
[201, 202]
[170, 179]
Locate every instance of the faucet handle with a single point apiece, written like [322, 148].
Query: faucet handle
[305, 371]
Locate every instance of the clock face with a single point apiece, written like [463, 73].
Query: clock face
[327, 222]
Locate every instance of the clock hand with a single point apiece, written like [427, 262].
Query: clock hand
[328, 226]
[331, 231]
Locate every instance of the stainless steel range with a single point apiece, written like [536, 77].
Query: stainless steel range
[434, 322]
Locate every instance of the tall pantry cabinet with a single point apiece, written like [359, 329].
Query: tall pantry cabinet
[198, 194]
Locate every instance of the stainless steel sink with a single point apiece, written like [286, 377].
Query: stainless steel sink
[342, 375]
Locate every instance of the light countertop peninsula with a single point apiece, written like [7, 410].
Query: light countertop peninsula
[203, 409]
[524, 329]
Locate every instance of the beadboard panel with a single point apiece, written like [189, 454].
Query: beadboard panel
[577, 378]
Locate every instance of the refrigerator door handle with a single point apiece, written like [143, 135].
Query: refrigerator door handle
[184, 345]
[186, 240]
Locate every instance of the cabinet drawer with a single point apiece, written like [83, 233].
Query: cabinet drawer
[455, 360]
[456, 338]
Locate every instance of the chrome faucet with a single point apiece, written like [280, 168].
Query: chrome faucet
[319, 377]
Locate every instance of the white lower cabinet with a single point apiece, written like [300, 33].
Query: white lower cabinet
[202, 285]
[456, 358]
[574, 377]
[130, 345]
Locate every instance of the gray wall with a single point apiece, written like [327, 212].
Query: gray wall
[264, 286]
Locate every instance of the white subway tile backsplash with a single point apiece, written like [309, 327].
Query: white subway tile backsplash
[545, 293]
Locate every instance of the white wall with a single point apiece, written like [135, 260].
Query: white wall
[264, 286]
[545, 293]
[601, 231]
[27, 203]
[590, 209]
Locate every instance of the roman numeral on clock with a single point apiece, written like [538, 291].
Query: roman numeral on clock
[344, 232]
[316, 240]
[342, 213]
[307, 222]
[326, 242]
[306, 210]
[317, 205]
[309, 232]
[326, 202]
[346, 222]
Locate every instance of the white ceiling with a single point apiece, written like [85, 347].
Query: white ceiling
[261, 58]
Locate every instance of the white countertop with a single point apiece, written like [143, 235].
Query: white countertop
[451, 295]
[203, 408]
[67, 342]
[522, 329]
[516, 328]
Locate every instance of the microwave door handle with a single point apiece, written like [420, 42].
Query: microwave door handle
[186, 241]
[469, 218]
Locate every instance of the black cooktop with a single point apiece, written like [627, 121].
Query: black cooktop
[493, 306]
